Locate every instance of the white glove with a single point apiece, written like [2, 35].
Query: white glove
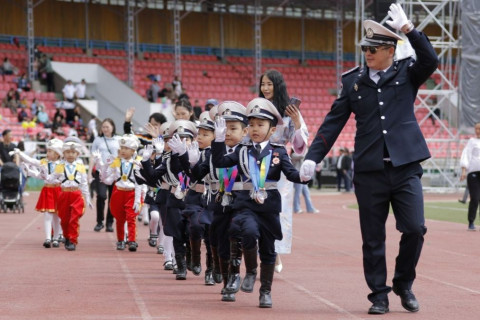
[159, 144]
[193, 153]
[15, 151]
[97, 157]
[147, 152]
[177, 145]
[32, 171]
[89, 203]
[137, 206]
[109, 160]
[399, 18]
[307, 170]
[220, 130]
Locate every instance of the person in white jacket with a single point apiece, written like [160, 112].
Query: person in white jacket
[470, 163]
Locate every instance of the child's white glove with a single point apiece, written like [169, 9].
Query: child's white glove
[159, 144]
[193, 153]
[220, 130]
[147, 152]
[177, 145]
[97, 156]
[137, 206]
[89, 203]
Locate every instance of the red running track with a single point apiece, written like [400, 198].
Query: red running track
[321, 279]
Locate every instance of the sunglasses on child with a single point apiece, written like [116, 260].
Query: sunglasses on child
[372, 49]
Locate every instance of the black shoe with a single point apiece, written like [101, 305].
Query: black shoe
[109, 228]
[121, 245]
[196, 269]
[217, 277]
[152, 242]
[248, 282]
[379, 307]
[229, 297]
[233, 284]
[132, 246]
[98, 227]
[66, 243]
[462, 201]
[55, 244]
[70, 246]
[409, 302]
[47, 243]
[168, 265]
[61, 239]
[265, 300]
[209, 278]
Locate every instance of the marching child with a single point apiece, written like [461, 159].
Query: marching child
[47, 200]
[125, 203]
[226, 252]
[72, 177]
[195, 211]
[257, 207]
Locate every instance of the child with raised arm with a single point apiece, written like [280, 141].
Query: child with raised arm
[72, 177]
[47, 200]
[256, 208]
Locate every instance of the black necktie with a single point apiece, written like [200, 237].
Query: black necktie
[380, 74]
[258, 148]
[230, 150]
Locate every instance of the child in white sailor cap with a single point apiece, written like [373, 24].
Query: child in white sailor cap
[195, 207]
[125, 203]
[72, 178]
[257, 206]
[47, 200]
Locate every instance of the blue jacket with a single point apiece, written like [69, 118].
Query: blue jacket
[384, 112]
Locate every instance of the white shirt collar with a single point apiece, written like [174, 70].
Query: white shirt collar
[262, 144]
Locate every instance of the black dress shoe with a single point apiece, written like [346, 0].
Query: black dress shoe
[109, 229]
[409, 302]
[98, 227]
[379, 307]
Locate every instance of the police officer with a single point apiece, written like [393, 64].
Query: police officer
[389, 147]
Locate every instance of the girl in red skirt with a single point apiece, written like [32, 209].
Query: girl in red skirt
[47, 201]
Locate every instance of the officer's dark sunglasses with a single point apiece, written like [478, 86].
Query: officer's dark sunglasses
[372, 49]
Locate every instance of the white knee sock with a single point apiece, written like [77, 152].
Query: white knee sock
[168, 252]
[47, 223]
[154, 218]
[144, 213]
[57, 228]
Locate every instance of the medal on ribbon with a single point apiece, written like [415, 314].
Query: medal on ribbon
[70, 172]
[227, 180]
[258, 176]
[125, 168]
[181, 190]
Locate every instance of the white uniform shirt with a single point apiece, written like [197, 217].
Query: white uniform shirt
[69, 91]
[471, 156]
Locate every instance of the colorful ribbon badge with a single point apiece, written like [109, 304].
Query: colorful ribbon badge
[70, 168]
[227, 180]
[258, 178]
[181, 190]
[126, 168]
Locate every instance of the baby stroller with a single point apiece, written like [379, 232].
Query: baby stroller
[10, 181]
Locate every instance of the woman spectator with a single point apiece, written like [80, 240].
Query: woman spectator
[8, 67]
[42, 116]
[272, 86]
[11, 101]
[470, 163]
[107, 144]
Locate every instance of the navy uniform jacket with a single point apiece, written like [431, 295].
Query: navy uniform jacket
[384, 112]
[280, 163]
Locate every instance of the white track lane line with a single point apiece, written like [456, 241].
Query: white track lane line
[9, 243]
[142, 307]
[319, 298]
[449, 284]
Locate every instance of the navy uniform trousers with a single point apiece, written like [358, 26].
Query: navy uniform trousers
[375, 191]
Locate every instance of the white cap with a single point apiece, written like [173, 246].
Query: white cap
[129, 141]
[183, 128]
[378, 35]
[71, 145]
[164, 129]
[233, 111]
[55, 145]
[205, 121]
[264, 109]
